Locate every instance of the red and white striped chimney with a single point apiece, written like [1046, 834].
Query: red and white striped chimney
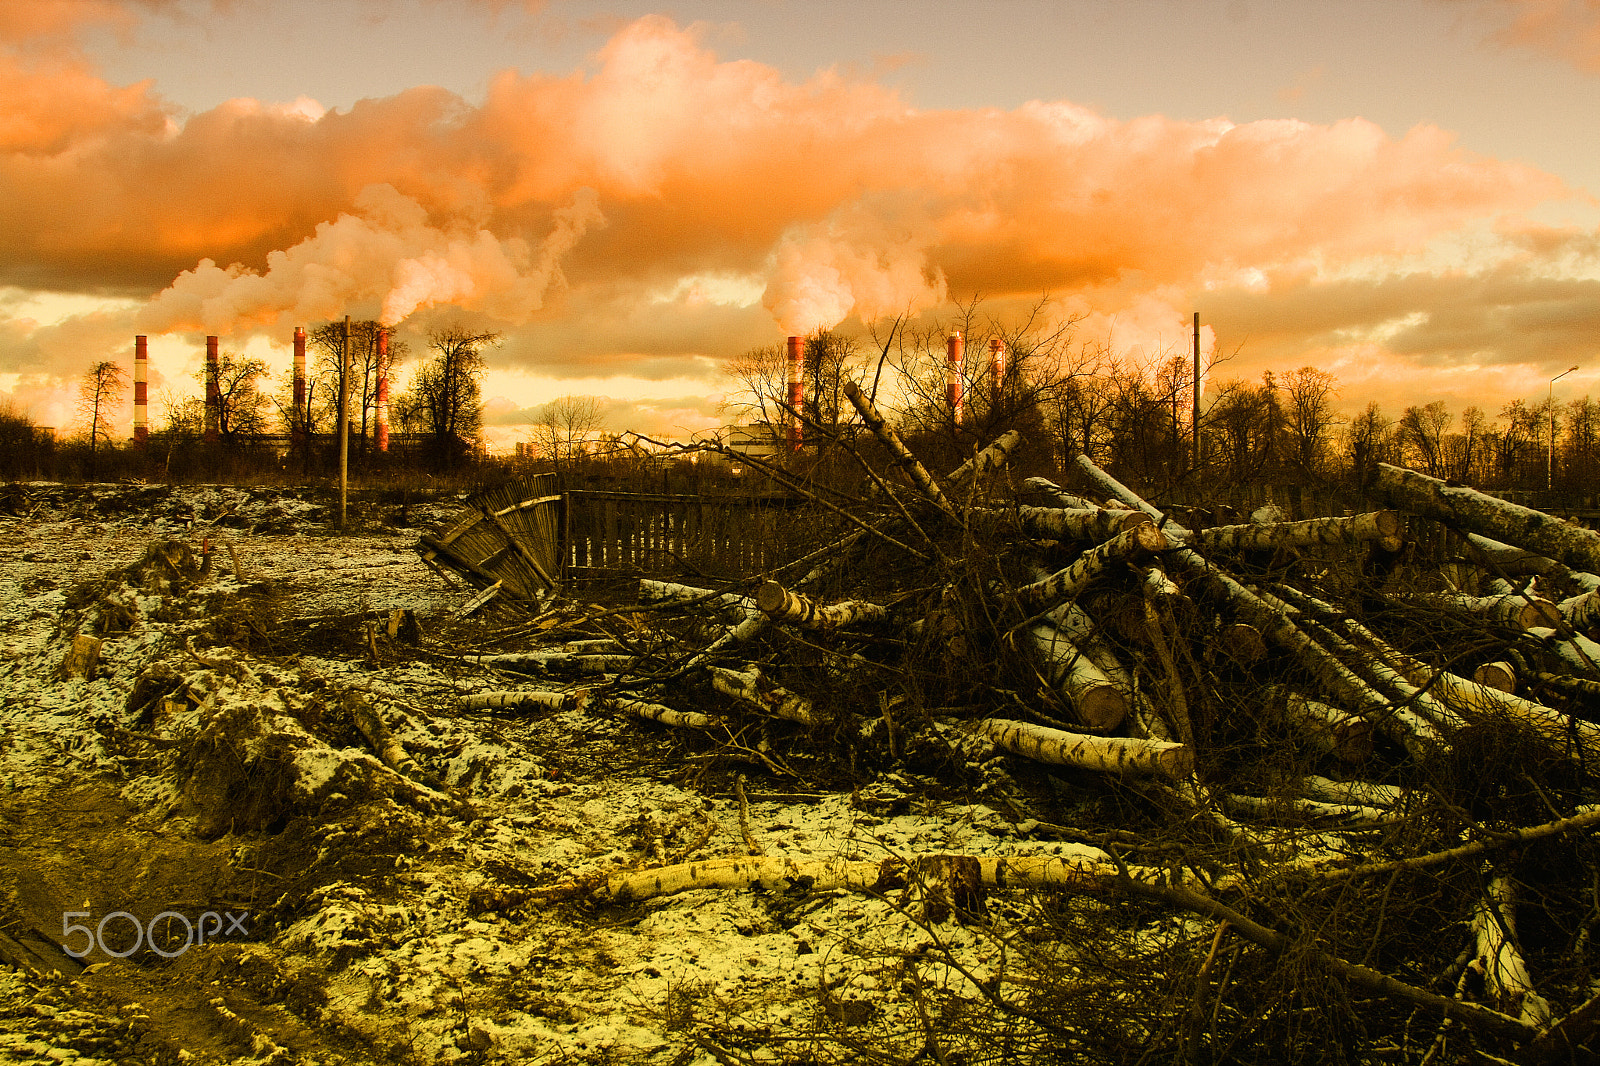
[383, 389]
[997, 369]
[213, 391]
[300, 419]
[953, 348]
[797, 367]
[141, 394]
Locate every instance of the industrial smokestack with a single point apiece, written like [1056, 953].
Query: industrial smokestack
[797, 364]
[141, 395]
[997, 369]
[213, 392]
[953, 348]
[300, 418]
[383, 389]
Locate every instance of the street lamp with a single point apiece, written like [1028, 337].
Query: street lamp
[1550, 411]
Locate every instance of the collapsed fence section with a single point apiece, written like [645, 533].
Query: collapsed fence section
[611, 533]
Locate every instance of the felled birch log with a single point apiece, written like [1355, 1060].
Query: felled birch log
[1078, 523]
[1090, 870]
[1388, 676]
[1345, 736]
[1417, 736]
[665, 715]
[1579, 654]
[748, 687]
[1505, 973]
[1356, 529]
[557, 661]
[1075, 624]
[1500, 675]
[388, 750]
[1058, 496]
[1575, 685]
[1509, 559]
[782, 605]
[1093, 564]
[1158, 588]
[1098, 704]
[651, 591]
[1242, 643]
[1512, 609]
[1297, 810]
[1472, 698]
[1475, 512]
[1366, 793]
[1110, 754]
[897, 448]
[986, 462]
[1582, 612]
[501, 701]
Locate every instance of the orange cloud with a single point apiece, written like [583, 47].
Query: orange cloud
[1566, 29]
[833, 194]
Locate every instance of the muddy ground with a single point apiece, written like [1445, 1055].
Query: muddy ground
[209, 774]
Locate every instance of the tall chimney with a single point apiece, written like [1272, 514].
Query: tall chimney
[299, 420]
[141, 396]
[997, 370]
[797, 365]
[953, 348]
[213, 392]
[383, 389]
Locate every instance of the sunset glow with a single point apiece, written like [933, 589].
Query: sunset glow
[634, 195]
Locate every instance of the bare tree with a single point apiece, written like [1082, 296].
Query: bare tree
[327, 342]
[565, 426]
[446, 395]
[1517, 438]
[761, 378]
[99, 392]
[244, 410]
[1308, 415]
[1421, 432]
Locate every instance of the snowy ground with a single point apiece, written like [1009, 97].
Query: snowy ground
[211, 765]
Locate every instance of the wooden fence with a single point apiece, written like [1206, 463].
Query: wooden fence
[622, 533]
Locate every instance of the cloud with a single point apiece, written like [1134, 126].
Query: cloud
[1568, 30]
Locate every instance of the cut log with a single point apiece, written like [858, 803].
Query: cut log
[665, 715]
[1058, 496]
[81, 660]
[986, 462]
[1578, 654]
[1297, 811]
[1356, 529]
[1500, 675]
[1110, 754]
[897, 448]
[1583, 612]
[651, 591]
[782, 605]
[1512, 609]
[1474, 512]
[1097, 703]
[1093, 564]
[1565, 732]
[1505, 975]
[1345, 736]
[750, 687]
[372, 726]
[1504, 558]
[1078, 523]
[1242, 643]
[529, 697]
[1365, 793]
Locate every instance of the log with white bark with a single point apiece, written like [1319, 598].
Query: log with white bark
[1160, 589]
[1241, 642]
[1366, 793]
[1373, 661]
[1060, 497]
[1580, 686]
[499, 701]
[388, 750]
[1508, 559]
[891, 440]
[652, 591]
[1296, 810]
[1500, 675]
[1089, 567]
[1582, 612]
[1476, 512]
[782, 605]
[542, 662]
[1077, 523]
[1097, 703]
[986, 462]
[1110, 754]
[1578, 654]
[665, 715]
[1345, 736]
[1512, 609]
[1355, 529]
[1471, 698]
[1505, 974]
[749, 686]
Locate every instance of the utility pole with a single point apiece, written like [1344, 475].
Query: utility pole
[344, 420]
[1550, 412]
[1194, 428]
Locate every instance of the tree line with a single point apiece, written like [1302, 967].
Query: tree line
[1133, 415]
[437, 419]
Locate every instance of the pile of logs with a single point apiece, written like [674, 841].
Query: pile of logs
[1421, 681]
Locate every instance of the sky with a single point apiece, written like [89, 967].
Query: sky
[1399, 192]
